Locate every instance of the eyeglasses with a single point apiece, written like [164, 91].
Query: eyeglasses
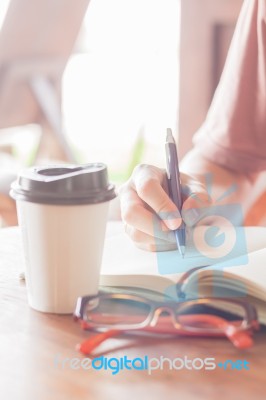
[118, 312]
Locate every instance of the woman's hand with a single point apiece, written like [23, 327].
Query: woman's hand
[150, 216]
[148, 213]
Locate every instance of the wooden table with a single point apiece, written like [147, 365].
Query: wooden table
[30, 341]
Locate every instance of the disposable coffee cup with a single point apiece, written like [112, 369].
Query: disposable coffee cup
[62, 212]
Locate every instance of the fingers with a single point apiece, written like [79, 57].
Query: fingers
[147, 182]
[147, 211]
[149, 214]
[150, 243]
[157, 247]
[135, 214]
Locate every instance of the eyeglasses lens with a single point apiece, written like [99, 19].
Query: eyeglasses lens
[116, 311]
[209, 315]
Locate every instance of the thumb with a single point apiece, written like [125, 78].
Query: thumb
[197, 203]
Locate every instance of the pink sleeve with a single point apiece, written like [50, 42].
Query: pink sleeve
[234, 132]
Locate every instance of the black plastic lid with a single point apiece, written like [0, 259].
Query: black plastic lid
[64, 184]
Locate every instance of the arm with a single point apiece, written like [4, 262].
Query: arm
[219, 180]
[230, 147]
[144, 199]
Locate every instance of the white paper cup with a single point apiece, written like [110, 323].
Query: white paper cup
[63, 246]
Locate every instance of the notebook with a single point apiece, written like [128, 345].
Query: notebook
[243, 275]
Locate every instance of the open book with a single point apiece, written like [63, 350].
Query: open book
[243, 275]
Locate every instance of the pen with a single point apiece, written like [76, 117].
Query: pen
[174, 187]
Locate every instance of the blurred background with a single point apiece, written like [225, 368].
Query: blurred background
[101, 80]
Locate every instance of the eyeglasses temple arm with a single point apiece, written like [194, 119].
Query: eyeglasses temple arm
[240, 339]
[88, 345]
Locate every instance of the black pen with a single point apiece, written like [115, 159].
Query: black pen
[174, 187]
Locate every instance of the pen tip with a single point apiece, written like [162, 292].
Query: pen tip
[182, 251]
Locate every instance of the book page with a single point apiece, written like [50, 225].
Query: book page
[126, 265]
